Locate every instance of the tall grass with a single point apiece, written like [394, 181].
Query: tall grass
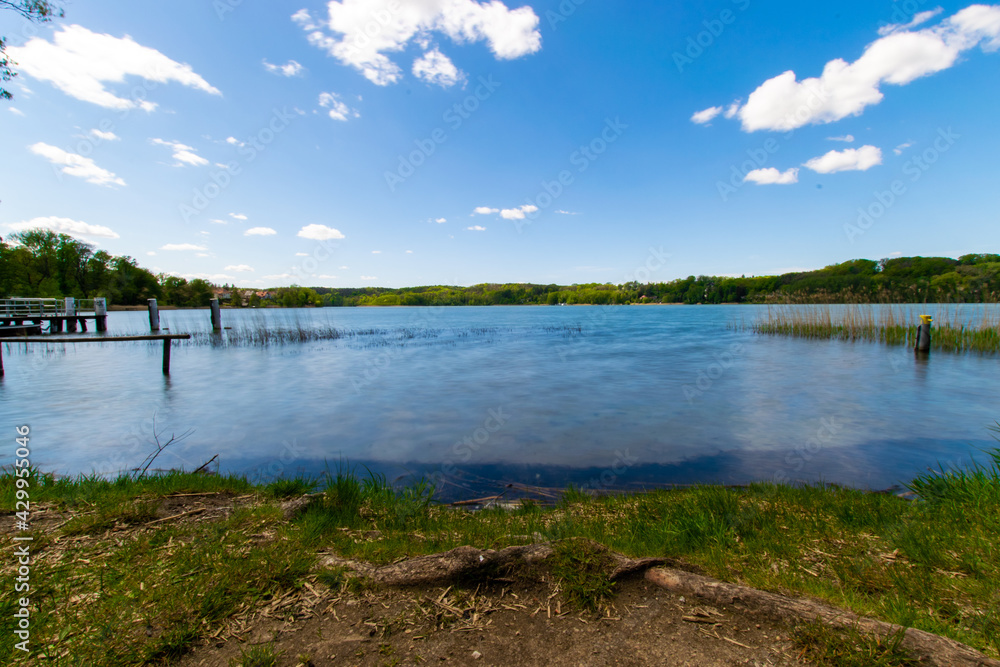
[978, 485]
[952, 329]
[932, 564]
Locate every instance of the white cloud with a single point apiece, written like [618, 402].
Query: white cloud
[338, 110]
[898, 150]
[409, 252]
[239, 268]
[845, 89]
[80, 62]
[291, 68]
[202, 254]
[237, 216]
[344, 268]
[919, 18]
[64, 226]
[517, 213]
[182, 246]
[259, 231]
[847, 138]
[15, 111]
[279, 276]
[233, 141]
[476, 228]
[772, 176]
[326, 277]
[376, 252]
[320, 233]
[732, 109]
[301, 254]
[183, 154]
[104, 136]
[368, 277]
[566, 212]
[76, 165]
[978, 23]
[216, 278]
[359, 33]
[850, 159]
[304, 19]
[441, 221]
[151, 253]
[705, 115]
[435, 67]
[219, 222]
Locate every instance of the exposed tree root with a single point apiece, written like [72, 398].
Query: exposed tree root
[465, 563]
[292, 508]
[470, 564]
[929, 648]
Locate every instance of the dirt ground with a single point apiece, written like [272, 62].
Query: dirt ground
[645, 625]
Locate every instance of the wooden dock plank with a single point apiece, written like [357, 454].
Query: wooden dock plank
[166, 338]
[96, 339]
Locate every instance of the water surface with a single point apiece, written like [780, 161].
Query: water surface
[618, 396]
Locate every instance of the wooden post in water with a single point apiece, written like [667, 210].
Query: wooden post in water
[1, 360]
[166, 356]
[101, 314]
[70, 314]
[923, 345]
[154, 316]
[216, 315]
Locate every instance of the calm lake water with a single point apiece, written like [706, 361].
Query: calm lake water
[612, 396]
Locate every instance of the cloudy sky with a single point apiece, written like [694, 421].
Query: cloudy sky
[406, 142]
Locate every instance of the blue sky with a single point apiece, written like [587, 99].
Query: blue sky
[395, 143]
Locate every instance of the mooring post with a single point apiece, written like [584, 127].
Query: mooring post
[216, 315]
[166, 356]
[924, 335]
[100, 314]
[1, 360]
[70, 314]
[154, 316]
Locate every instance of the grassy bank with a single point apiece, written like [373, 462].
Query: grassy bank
[126, 573]
[883, 324]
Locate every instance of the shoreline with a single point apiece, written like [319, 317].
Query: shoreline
[155, 539]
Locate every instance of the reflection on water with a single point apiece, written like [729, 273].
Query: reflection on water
[632, 395]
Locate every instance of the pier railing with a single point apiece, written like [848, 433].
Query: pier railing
[18, 307]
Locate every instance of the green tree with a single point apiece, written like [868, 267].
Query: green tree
[39, 11]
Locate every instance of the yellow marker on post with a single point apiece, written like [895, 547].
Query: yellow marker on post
[924, 334]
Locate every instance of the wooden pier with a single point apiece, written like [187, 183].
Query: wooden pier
[166, 338]
[20, 316]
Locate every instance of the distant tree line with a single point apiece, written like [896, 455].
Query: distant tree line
[968, 279]
[41, 263]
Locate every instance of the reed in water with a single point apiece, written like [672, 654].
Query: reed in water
[954, 330]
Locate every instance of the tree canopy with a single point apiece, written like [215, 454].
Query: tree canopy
[42, 263]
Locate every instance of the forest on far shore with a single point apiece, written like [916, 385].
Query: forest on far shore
[41, 263]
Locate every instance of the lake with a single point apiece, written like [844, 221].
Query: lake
[601, 396]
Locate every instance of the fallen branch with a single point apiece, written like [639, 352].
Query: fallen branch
[930, 648]
[178, 516]
[204, 465]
